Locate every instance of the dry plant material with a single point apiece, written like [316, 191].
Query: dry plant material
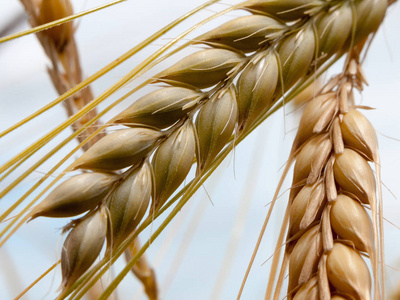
[172, 162]
[201, 69]
[331, 183]
[76, 195]
[51, 10]
[256, 87]
[65, 71]
[82, 245]
[348, 272]
[250, 63]
[129, 202]
[246, 33]
[161, 108]
[289, 10]
[215, 124]
[119, 149]
[308, 290]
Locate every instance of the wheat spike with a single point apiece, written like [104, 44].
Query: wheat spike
[208, 99]
[343, 229]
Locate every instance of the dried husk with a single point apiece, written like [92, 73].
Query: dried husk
[311, 159]
[256, 86]
[246, 33]
[82, 246]
[201, 69]
[76, 195]
[119, 149]
[51, 10]
[305, 257]
[215, 124]
[323, 282]
[326, 229]
[338, 144]
[351, 222]
[333, 29]
[345, 94]
[128, 203]
[316, 117]
[160, 108]
[288, 10]
[330, 184]
[296, 53]
[308, 291]
[306, 207]
[172, 162]
[359, 134]
[354, 175]
[348, 272]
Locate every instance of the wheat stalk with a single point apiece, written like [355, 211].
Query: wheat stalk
[289, 47]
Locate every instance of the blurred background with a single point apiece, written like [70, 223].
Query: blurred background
[204, 252]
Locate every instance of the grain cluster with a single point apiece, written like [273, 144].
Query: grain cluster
[222, 91]
[333, 186]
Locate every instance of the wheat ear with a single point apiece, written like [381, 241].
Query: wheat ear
[241, 88]
[333, 184]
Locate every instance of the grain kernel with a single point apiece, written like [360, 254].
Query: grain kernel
[215, 124]
[76, 195]
[348, 272]
[119, 149]
[160, 108]
[201, 69]
[82, 246]
[172, 162]
[246, 33]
